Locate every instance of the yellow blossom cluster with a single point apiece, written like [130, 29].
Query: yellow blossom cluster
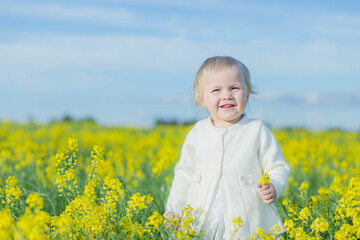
[272, 235]
[315, 209]
[97, 161]
[112, 183]
[66, 178]
[264, 178]
[131, 223]
[83, 216]
[154, 222]
[32, 225]
[6, 224]
[12, 190]
[236, 224]
[186, 230]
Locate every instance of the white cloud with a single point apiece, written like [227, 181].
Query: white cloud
[336, 24]
[180, 43]
[118, 16]
[164, 99]
[131, 52]
[340, 99]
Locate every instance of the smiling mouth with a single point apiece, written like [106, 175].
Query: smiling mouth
[227, 106]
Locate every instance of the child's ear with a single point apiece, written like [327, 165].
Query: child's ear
[201, 101]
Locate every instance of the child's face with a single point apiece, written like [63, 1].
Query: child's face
[225, 96]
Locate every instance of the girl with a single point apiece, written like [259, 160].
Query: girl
[224, 156]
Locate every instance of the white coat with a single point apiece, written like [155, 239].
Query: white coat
[234, 158]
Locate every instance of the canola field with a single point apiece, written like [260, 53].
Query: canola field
[85, 181]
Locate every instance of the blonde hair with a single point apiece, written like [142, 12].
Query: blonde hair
[216, 64]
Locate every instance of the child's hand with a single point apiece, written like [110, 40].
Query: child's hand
[267, 192]
[172, 220]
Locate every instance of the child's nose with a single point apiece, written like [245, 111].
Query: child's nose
[227, 95]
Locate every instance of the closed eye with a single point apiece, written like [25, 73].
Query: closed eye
[215, 90]
[235, 88]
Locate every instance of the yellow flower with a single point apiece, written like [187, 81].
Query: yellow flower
[138, 202]
[289, 224]
[320, 225]
[113, 191]
[237, 222]
[264, 178]
[73, 143]
[6, 224]
[304, 186]
[32, 226]
[12, 190]
[235, 226]
[312, 201]
[35, 201]
[305, 214]
[260, 234]
[155, 219]
[276, 229]
[66, 178]
[97, 161]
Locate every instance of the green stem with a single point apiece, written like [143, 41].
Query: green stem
[273, 209]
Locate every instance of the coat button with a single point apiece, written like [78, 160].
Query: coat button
[243, 179]
[197, 178]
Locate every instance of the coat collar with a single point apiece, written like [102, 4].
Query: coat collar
[244, 120]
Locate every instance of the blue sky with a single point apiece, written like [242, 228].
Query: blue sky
[131, 62]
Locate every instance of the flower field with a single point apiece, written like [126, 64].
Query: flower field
[85, 181]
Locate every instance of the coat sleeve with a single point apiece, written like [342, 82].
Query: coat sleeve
[184, 170]
[272, 160]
